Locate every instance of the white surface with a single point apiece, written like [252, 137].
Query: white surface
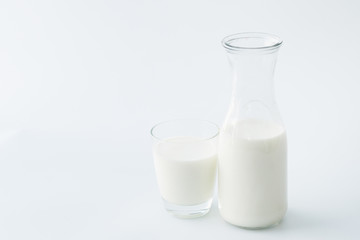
[82, 82]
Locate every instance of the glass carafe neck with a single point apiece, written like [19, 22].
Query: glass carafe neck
[253, 57]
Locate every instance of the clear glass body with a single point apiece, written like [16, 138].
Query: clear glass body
[185, 159]
[252, 168]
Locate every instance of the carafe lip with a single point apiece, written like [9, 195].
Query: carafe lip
[250, 41]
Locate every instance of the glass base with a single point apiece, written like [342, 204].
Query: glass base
[262, 227]
[266, 226]
[188, 211]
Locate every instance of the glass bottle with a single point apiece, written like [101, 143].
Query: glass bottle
[252, 165]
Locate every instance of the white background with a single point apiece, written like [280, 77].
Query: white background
[82, 82]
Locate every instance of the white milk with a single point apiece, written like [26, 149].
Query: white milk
[252, 173]
[185, 169]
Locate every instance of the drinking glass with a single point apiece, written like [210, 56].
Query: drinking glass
[185, 159]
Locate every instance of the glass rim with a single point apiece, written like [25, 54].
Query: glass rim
[226, 42]
[185, 119]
